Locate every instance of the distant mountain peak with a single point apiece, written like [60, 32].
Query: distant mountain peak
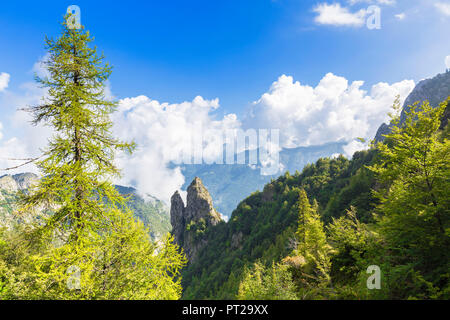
[16, 182]
[191, 221]
[435, 90]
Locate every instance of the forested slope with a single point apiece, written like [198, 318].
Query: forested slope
[314, 234]
[263, 225]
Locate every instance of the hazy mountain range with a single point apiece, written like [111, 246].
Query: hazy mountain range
[229, 184]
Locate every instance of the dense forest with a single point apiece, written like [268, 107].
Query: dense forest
[326, 232]
[312, 235]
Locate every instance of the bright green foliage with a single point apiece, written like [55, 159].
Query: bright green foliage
[263, 226]
[119, 262]
[272, 283]
[415, 205]
[89, 245]
[351, 241]
[78, 162]
[312, 241]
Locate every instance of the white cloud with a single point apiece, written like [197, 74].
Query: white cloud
[447, 61]
[332, 111]
[163, 132]
[386, 2]
[22, 140]
[39, 67]
[443, 7]
[353, 146]
[334, 14]
[4, 81]
[400, 16]
[14, 149]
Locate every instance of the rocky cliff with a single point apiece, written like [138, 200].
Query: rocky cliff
[21, 181]
[435, 90]
[190, 222]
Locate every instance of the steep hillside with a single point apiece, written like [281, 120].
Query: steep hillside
[262, 226]
[229, 184]
[388, 205]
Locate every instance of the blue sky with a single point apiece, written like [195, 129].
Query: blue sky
[311, 69]
[234, 50]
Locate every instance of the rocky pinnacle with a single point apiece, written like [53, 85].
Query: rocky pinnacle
[190, 222]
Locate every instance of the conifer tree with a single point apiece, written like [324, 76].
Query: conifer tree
[312, 241]
[88, 246]
[78, 163]
[272, 283]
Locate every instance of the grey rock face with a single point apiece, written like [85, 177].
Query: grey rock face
[25, 180]
[435, 90]
[382, 130]
[17, 182]
[199, 204]
[190, 222]
[8, 183]
[177, 217]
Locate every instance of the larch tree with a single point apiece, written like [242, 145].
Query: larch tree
[89, 245]
[311, 260]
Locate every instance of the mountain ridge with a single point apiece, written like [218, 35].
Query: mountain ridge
[190, 222]
[434, 90]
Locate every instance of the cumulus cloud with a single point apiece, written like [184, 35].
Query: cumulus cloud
[334, 14]
[447, 61]
[443, 7]
[334, 110]
[21, 140]
[4, 81]
[164, 133]
[400, 16]
[353, 146]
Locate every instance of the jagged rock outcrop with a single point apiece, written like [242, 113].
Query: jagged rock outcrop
[190, 222]
[435, 90]
[177, 217]
[21, 181]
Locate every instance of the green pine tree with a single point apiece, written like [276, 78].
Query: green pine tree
[273, 283]
[312, 246]
[88, 246]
